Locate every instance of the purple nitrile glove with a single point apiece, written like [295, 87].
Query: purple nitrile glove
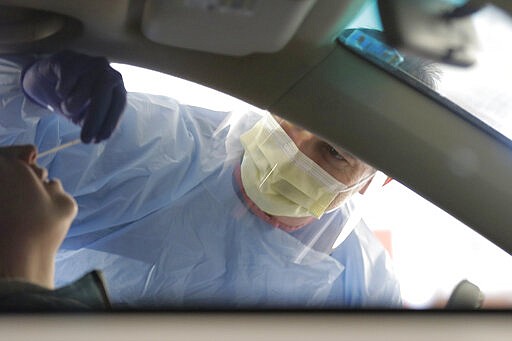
[83, 88]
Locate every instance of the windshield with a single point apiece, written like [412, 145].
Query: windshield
[480, 90]
[483, 88]
[479, 93]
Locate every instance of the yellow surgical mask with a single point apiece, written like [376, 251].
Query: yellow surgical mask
[280, 179]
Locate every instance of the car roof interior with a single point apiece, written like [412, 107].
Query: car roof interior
[283, 56]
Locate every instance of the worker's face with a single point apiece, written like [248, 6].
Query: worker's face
[339, 163]
[33, 208]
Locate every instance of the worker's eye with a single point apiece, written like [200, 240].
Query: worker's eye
[334, 153]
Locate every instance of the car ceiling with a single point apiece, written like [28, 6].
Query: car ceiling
[116, 29]
[302, 74]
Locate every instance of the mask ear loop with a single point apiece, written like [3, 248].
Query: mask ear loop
[359, 183]
[351, 188]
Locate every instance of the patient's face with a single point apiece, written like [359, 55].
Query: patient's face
[32, 206]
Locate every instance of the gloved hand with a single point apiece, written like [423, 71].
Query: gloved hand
[83, 88]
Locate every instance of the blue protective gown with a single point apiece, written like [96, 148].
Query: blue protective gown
[161, 215]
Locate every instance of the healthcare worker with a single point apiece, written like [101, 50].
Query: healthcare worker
[35, 215]
[185, 206]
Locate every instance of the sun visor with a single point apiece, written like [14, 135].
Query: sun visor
[234, 28]
[30, 30]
